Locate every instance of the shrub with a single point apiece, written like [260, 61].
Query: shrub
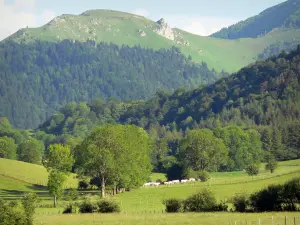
[108, 206]
[268, 199]
[252, 170]
[29, 204]
[9, 214]
[86, 207]
[68, 209]
[83, 184]
[271, 165]
[173, 205]
[291, 194]
[204, 201]
[71, 195]
[203, 176]
[240, 202]
[221, 207]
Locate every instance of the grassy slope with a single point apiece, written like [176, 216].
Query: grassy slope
[122, 28]
[26, 175]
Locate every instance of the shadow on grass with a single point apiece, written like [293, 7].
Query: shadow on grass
[41, 192]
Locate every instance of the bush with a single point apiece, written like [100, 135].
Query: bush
[108, 206]
[83, 184]
[86, 207]
[291, 194]
[252, 170]
[71, 195]
[29, 205]
[204, 201]
[268, 199]
[221, 207]
[68, 209]
[9, 214]
[173, 205]
[203, 176]
[240, 202]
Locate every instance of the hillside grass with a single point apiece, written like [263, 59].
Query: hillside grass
[29, 174]
[123, 28]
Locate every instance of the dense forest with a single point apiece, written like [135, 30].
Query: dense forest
[253, 114]
[284, 15]
[263, 96]
[38, 79]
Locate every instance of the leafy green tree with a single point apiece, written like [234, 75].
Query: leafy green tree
[160, 152]
[120, 153]
[252, 170]
[244, 146]
[31, 151]
[8, 148]
[59, 162]
[201, 150]
[271, 165]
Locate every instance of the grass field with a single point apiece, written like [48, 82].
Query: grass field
[170, 219]
[123, 28]
[144, 205]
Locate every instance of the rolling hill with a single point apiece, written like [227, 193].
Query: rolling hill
[128, 29]
[278, 18]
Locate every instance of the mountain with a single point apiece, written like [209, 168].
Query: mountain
[38, 78]
[284, 16]
[264, 96]
[128, 29]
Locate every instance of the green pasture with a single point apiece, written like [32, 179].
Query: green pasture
[170, 219]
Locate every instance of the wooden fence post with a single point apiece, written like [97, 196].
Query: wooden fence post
[285, 220]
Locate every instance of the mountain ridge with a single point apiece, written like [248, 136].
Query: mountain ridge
[283, 15]
[128, 29]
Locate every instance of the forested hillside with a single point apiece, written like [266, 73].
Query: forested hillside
[39, 78]
[284, 15]
[263, 96]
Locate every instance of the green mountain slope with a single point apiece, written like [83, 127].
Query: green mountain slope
[283, 16]
[265, 94]
[124, 28]
[39, 78]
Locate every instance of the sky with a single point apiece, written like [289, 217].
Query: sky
[202, 17]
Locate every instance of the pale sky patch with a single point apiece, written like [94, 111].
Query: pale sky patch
[21, 14]
[141, 12]
[201, 25]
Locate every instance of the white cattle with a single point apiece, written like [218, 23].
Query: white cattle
[147, 184]
[155, 184]
[175, 181]
[184, 181]
[192, 179]
[168, 182]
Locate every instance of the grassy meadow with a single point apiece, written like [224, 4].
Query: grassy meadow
[144, 205]
[172, 219]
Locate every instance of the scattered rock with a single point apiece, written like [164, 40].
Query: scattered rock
[164, 30]
[142, 33]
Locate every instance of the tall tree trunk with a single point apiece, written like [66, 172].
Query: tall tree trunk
[54, 201]
[102, 187]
